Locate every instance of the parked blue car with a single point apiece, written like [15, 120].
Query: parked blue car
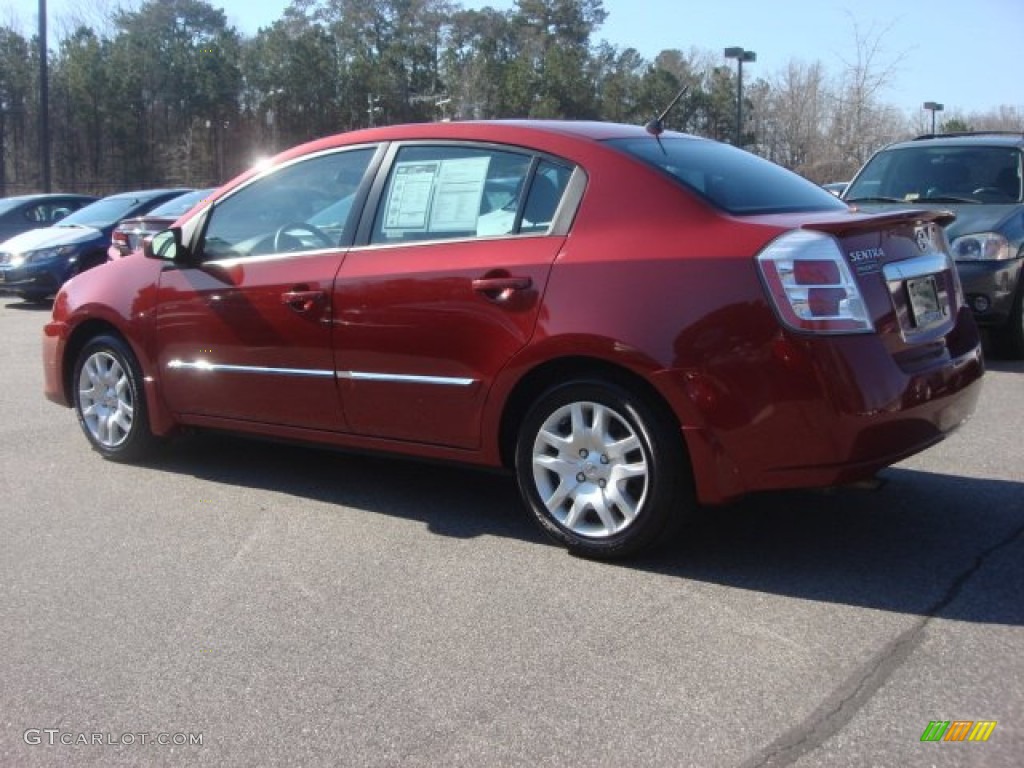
[35, 264]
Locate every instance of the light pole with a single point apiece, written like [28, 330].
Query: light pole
[933, 107]
[44, 103]
[741, 55]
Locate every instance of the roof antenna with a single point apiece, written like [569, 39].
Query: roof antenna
[656, 127]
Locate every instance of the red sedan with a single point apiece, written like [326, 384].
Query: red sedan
[633, 323]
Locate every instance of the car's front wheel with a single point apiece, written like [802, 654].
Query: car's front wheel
[110, 401]
[602, 470]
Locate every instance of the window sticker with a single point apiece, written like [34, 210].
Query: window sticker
[409, 199]
[436, 196]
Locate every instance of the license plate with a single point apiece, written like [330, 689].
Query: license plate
[924, 301]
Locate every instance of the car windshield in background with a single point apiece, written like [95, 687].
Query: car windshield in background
[102, 213]
[940, 174]
[180, 205]
[737, 181]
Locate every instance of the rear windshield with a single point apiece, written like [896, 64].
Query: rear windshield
[732, 179]
[180, 205]
[940, 173]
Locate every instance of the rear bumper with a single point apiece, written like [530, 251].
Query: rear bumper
[823, 413]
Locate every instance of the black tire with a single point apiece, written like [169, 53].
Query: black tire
[1008, 339]
[110, 401]
[604, 493]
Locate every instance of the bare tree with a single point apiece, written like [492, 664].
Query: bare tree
[799, 111]
[861, 122]
[1002, 118]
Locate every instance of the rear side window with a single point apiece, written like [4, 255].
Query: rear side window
[447, 192]
[737, 181]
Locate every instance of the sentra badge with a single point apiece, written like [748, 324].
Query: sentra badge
[867, 261]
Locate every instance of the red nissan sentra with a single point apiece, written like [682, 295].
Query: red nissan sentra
[633, 323]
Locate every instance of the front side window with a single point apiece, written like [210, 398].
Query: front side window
[304, 206]
[440, 193]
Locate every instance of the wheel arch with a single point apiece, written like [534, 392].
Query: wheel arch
[77, 340]
[160, 421]
[547, 374]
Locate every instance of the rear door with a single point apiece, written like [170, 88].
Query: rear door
[446, 288]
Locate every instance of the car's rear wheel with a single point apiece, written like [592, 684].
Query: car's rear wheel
[1008, 340]
[602, 470]
[110, 401]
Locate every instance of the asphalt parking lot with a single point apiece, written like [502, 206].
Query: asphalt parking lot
[288, 606]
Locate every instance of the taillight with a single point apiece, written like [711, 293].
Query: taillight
[120, 238]
[811, 285]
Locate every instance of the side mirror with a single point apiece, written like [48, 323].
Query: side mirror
[165, 246]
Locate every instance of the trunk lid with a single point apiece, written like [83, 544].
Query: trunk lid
[896, 275]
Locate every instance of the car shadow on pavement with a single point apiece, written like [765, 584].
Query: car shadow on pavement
[450, 500]
[31, 306]
[907, 547]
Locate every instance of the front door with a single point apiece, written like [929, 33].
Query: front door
[245, 333]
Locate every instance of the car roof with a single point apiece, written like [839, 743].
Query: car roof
[972, 139]
[499, 131]
[44, 196]
[590, 129]
[536, 133]
[148, 194]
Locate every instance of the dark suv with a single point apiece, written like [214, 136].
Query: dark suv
[978, 177]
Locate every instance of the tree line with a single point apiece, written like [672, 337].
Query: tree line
[169, 93]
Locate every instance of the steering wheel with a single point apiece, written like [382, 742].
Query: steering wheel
[282, 236]
[989, 191]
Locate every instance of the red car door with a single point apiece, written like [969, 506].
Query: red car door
[424, 321]
[423, 330]
[250, 340]
[245, 334]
